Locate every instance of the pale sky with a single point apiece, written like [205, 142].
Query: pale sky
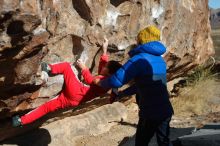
[214, 4]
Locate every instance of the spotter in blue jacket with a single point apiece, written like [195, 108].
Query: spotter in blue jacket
[148, 68]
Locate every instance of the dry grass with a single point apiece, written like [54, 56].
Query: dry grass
[201, 87]
[194, 99]
[216, 31]
[216, 42]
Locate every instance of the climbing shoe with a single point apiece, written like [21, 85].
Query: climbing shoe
[45, 67]
[16, 121]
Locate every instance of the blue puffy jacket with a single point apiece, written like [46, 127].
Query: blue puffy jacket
[148, 69]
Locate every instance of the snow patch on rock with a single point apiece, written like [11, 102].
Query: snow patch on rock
[157, 11]
[84, 56]
[39, 30]
[111, 17]
[123, 45]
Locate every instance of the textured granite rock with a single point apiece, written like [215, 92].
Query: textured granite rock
[32, 31]
[63, 131]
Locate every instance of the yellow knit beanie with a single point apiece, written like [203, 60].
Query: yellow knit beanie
[148, 34]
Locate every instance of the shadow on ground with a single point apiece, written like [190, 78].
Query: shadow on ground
[175, 133]
[208, 135]
[37, 137]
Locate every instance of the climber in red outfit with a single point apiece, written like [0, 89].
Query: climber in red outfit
[74, 91]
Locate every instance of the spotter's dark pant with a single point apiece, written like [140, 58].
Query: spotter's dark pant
[146, 129]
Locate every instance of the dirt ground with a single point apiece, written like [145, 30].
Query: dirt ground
[117, 135]
[123, 133]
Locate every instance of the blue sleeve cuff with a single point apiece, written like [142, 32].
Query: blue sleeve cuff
[130, 90]
[111, 82]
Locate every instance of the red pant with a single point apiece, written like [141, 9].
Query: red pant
[71, 95]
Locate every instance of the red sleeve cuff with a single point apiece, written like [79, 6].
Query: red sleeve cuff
[104, 57]
[83, 71]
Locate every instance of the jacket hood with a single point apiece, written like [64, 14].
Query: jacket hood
[155, 48]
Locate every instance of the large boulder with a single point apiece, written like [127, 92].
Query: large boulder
[32, 31]
[65, 131]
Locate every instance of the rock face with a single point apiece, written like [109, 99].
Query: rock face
[65, 131]
[32, 31]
